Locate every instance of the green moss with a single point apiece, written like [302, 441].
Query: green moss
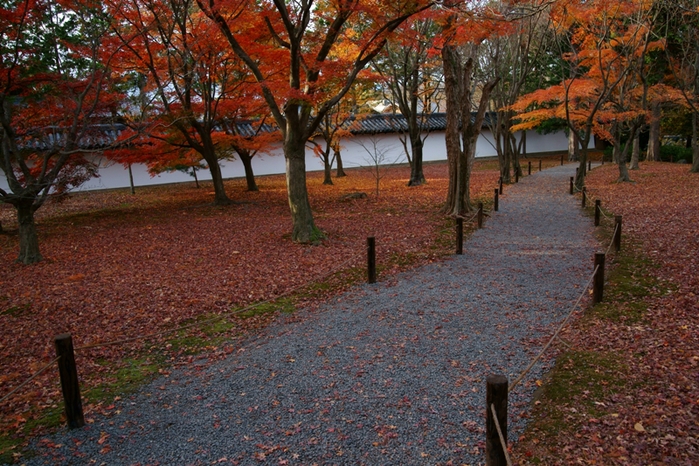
[630, 283]
[15, 311]
[317, 235]
[581, 377]
[126, 379]
[284, 305]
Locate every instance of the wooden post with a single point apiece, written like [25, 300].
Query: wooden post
[495, 394]
[371, 259]
[571, 185]
[517, 175]
[617, 233]
[598, 283]
[589, 165]
[539, 164]
[496, 202]
[530, 168]
[459, 235]
[598, 211]
[561, 159]
[69, 381]
[584, 197]
[500, 187]
[480, 215]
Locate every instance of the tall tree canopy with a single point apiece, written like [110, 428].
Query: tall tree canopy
[192, 91]
[54, 83]
[305, 55]
[605, 45]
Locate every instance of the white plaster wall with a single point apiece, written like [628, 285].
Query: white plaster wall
[353, 155]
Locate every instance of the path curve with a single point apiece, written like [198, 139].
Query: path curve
[390, 373]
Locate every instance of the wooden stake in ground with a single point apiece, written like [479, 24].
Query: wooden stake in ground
[69, 381]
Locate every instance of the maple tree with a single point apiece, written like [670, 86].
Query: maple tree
[410, 68]
[305, 57]
[518, 56]
[462, 130]
[192, 92]
[55, 94]
[604, 92]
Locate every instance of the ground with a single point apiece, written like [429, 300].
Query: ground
[625, 389]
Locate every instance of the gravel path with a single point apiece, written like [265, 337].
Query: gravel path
[391, 373]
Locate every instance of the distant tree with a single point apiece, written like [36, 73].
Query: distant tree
[55, 91]
[519, 56]
[331, 130]
[377, 158]
[409, 65]
[192, 84]
[681, 29]
[605, 45]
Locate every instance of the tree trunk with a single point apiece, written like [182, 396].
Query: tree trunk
[220, 197]
[654, 136]
[304, 229]
[516, 166]
[635, 152]
[133, 188]
[621, 157]
[28, 238]
[340, 170]
[196, 179]
[416, 175]
[573, 144]
[249, 174]
[695, 144]
[504, 157]
[451, 63]
[327, 179]
[582, 155]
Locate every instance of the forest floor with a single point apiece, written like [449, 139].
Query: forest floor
[166, 273]
[166, 265]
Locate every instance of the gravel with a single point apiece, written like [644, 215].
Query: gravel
[390, 373]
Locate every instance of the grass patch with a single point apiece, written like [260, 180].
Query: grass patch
[131, 375]
[284, 305]
[631, 281]
[13, 446]
[579, 377]
[15, 311]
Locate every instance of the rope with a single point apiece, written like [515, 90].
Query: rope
[212, 319]
[502, 438]
[605, 215]
[565, 321]
[611, 243]
[36, 374]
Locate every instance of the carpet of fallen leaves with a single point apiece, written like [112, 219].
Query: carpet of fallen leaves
[654, 418]
[119, 266]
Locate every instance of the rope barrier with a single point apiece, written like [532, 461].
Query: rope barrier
[611, 243]
[215, 318]
[36, 374]
[565, 321]
[502, 438]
